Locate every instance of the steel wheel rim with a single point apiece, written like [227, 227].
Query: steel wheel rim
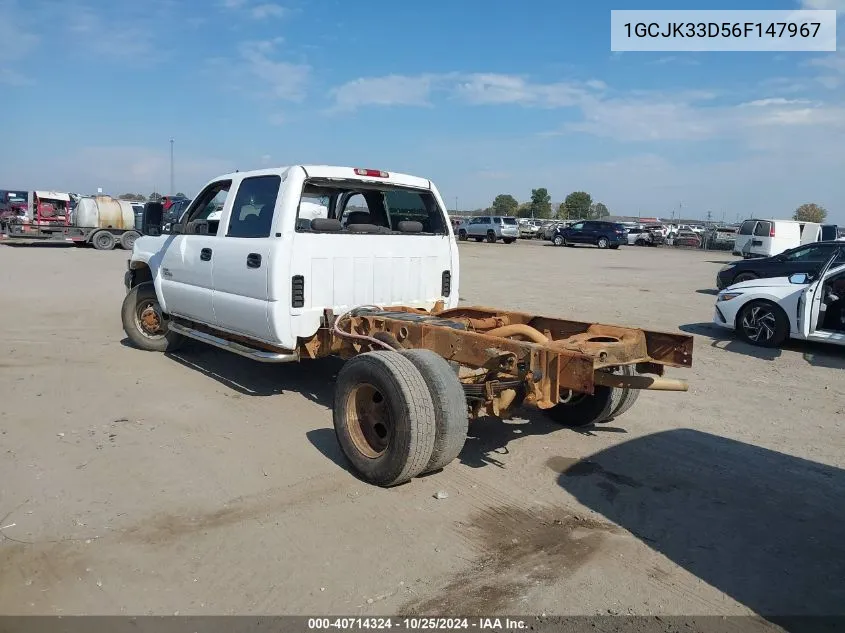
[149, 321]
[130, 242]
[370, 423]
[759, 323]
[104, 239]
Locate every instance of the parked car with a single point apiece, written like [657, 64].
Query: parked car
[491, 228]
[640, 237]
[808, 258]
[687, 238]
[598, 233]
[548, 231]
[720, 238]
[528, 229]
[766, 312]
[173, 214]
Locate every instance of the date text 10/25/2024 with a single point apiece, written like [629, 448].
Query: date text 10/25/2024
[417, 624]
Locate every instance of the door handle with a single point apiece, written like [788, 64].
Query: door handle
[253, 260]
[205, 254]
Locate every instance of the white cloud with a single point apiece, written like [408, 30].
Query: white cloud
[385, 91]
[258, 60]
[284, 80]
[762, 103]
[264, 11]
[126, 38]
[491, 88]
[472, 88]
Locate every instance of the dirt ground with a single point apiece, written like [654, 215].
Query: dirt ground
[204, 483]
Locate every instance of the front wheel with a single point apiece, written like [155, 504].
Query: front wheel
[602, 243]
[462, 236]
[558, 240]
[743, 277]
[762, 323]
[143, 321]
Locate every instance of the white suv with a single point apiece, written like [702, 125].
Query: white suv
[491, 228]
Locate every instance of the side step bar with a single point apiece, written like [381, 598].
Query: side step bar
[260, 355]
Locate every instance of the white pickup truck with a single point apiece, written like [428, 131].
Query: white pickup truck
[304, 262]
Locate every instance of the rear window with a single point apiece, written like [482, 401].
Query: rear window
[380, 208]
[763, 229]
[747, 227]
[509, 220]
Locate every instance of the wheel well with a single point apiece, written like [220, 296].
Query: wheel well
[768, 302]
[142, 274]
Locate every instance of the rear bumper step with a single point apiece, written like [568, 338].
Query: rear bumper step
[260, 355]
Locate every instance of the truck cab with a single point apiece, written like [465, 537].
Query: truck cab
[263, 254]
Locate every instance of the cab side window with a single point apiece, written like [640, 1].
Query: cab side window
[203, 216]
[252, 211]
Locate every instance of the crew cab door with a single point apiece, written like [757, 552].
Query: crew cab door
[186, 270]
[242, 262]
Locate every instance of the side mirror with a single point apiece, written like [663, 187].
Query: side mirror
[799, 278]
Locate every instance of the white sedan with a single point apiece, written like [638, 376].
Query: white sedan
[767, 312]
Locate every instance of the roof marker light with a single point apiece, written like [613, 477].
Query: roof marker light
[372, 173]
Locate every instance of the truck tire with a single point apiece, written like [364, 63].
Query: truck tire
[450, 406]
[143, 323]
[127, 240]
[462, 235]
[605, 404]
[623, 399]
[103, 241]
[384, 417]
[491, 237]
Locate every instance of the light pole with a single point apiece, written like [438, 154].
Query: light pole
[171, 168]
[456, 205]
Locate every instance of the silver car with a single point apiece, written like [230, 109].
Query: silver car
[491, 228]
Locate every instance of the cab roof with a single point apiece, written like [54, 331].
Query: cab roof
[334, 172]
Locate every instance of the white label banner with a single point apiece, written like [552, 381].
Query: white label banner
[709, 30]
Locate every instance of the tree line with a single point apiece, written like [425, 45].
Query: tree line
[139, 197]
[577, 205]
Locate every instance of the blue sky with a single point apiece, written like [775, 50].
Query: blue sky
[483, 97]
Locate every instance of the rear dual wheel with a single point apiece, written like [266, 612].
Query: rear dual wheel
[606, 403]
[398, 415]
